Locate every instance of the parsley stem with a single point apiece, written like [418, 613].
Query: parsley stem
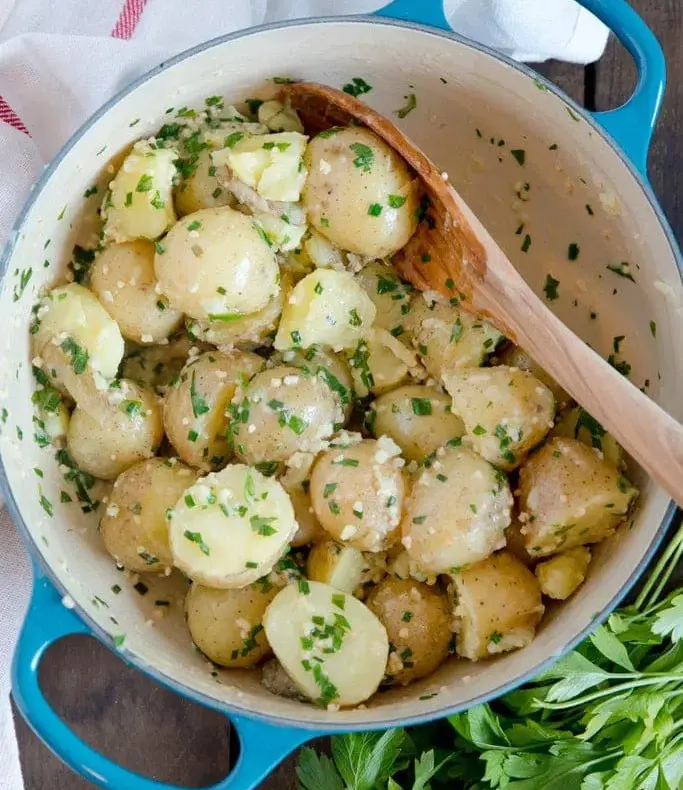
[662, 571]
[650, 680]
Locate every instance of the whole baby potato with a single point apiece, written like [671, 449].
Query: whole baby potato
[122, 277]
[357, 493]
[498, 604]
[418, 418]
[121, 427]
[226, 624]
[134, 526]
[215, 265]
[359, 192]
[418, 622]
[195, 405]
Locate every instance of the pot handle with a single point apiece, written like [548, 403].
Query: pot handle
[263, 746]
[631, 125]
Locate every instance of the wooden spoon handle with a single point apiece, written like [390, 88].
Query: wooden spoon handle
[650, 435]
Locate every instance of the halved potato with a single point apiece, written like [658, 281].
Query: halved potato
[564, 573]
[330, 644]
[337, 565]
[230, 527]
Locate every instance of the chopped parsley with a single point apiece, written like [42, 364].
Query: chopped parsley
[550, 288]
[199, 404]
[196, 537]
[621, 269]
[79, 355]
[526, 243]
[365, 156]
[409, 106]
[357, 87]
[374, 209]
[421, 406]
[354, 318]
[573, 251]
[232, 139]
[263, 525]
[144, 184]
[519, 154]
[396, 201]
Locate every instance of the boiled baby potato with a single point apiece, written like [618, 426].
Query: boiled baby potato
[270, 164]
[139, 202]
[563, 573]
[447, 337]
[52, 415]
[282, 411]
[122, 278]
[158, 366]
[230, 527]
[326, 307]
[75, 341]
[279, 117]
[215, 265]
[226, 624]
[283, 235]
[342, 567]
[358, 491]
[516, 357]
[389, 294]
[330, 644]
[195, 405]
[498, 605]
[323, 362]
[375, 366]
[418, 418]
[200, 189]
[578, 424]
[120, 427]
[418, 622]
[359, 193]
[457, 512]
[134, 526]
[516, 543]
[570, 496]
[296, 481]
[249, 331]
[506, 411]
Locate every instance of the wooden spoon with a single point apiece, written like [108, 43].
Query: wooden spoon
[453, 253]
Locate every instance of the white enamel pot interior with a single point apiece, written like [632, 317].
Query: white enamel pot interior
[472, 110]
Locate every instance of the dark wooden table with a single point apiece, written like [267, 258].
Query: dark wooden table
[151, 730]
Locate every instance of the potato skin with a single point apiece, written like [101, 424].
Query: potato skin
[366, 477]
[248, 332]
[121, 428]
[134, 527]
[418, 623]
[516, 357]
[296, 481]
[226, 624]
[285, 411]
[418, 418]
[498, 603]
[344, 189]
[446, 337]
[457, 512]
[506, 411]
[197, 403]
[122, 278]
[569, 496]
[201, 189]
[214, 262]
[562, 574]
[389, 294]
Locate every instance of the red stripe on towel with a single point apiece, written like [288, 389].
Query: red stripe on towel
[7, 115]
[128, 18]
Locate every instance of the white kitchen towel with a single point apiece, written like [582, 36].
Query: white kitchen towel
[61, 59]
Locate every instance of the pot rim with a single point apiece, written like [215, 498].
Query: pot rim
[36, 555]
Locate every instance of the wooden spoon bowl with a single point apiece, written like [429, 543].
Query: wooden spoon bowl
[452, 253]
